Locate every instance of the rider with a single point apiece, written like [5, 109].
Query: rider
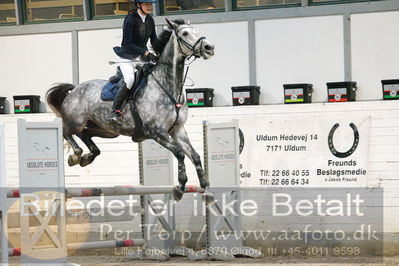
[138, 28]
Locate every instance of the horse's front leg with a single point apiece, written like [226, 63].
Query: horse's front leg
[168, 142]
[180, 136]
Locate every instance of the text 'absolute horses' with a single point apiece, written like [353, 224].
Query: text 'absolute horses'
[160, 104]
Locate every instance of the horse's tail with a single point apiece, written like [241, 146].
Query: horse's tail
[56, 95]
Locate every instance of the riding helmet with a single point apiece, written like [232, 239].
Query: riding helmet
[143, 1]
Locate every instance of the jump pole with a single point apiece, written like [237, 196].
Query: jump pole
[127, 190]
[15, 252]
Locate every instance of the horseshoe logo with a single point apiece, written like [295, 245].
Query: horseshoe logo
[241, 135]
[348, 152]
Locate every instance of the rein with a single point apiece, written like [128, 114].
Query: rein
[179, 102]
[185, 75]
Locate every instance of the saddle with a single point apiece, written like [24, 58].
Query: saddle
[116, 82]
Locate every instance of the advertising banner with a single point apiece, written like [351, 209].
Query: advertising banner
[324, 151]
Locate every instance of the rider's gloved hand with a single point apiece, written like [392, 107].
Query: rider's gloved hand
[152, 57]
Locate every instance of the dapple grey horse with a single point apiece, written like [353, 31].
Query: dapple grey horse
[160, 105]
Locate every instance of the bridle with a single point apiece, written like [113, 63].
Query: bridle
[190, 47]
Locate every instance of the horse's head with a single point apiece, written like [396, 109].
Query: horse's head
[190, 42]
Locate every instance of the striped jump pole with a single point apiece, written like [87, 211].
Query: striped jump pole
[16, 252]
[106, 244]
[73, 192]
[128, 190]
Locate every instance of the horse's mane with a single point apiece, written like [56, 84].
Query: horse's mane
[164, 37]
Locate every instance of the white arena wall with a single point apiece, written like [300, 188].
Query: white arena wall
[294, 50]
[374, 51]
[95, 50]
[313, 55]
[30, 64]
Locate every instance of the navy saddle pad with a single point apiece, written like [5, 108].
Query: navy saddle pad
[109, 91]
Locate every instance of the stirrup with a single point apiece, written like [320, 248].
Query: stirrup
[117, 116]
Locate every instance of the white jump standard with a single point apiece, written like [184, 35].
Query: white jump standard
[222, 167]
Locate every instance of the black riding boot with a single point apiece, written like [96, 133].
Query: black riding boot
[120, 97]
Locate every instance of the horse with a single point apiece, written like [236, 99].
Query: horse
[159, 103]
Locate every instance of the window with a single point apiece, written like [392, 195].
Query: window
[337, 1]
[7, 11]
[37, 10]
[265, 3]
[111, 7]
[187, 5]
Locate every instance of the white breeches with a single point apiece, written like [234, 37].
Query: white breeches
[128, 70]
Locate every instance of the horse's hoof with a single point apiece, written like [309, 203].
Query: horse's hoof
[73, 159]
[204, 183]
[85, 160]
[177, 193]
[208, 197]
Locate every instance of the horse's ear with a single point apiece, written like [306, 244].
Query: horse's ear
[188, 22]
[171, 24]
